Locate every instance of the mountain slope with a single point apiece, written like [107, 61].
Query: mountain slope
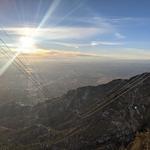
[94, 117]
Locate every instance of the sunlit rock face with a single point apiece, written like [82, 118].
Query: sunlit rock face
[94, 117]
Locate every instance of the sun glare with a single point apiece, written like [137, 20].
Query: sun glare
[26, 42]
[26, 45]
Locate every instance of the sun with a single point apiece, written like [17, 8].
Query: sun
[26, 44]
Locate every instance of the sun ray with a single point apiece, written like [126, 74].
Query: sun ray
[49, 13]
[38, 9]
[6, 66]
[69, 13]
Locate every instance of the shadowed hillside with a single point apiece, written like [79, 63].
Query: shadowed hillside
[105, 117]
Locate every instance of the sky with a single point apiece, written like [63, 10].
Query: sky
[106, 28]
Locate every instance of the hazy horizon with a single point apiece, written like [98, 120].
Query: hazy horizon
[60, 76]
[61, 45]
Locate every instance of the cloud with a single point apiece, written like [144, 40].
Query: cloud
[53, 53]
[87, 44]
[119, 36]
[83, 31]
[83, 34]
[105, 43]
[118, 54]
[54, 33]
[105, 54]
[129, 19]
[81, 27]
